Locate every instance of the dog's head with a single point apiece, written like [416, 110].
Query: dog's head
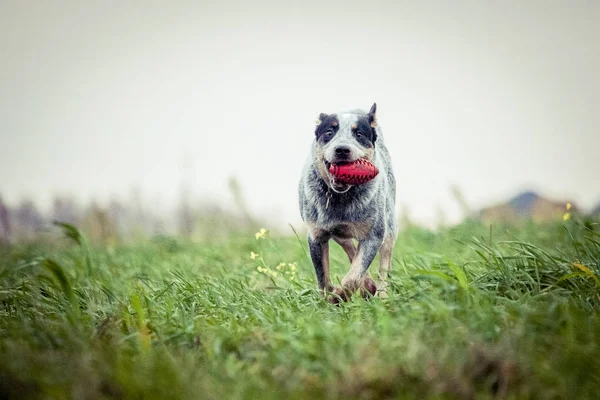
[344, 138]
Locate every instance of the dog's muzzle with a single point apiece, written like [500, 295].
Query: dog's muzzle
[334, 184]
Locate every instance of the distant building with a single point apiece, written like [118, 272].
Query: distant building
[527, 205]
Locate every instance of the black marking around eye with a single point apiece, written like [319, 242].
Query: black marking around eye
[328, 123]
[368, 137]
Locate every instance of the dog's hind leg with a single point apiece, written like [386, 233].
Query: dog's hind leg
[319, 253]
[348, 246]
[385, 264]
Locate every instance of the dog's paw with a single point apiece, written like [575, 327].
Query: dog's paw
[327, 290]
[382, 289]
[338, 295]
[368, 288]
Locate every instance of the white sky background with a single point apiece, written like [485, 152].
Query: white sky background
[495, 97]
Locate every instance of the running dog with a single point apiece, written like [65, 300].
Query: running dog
[343, 212]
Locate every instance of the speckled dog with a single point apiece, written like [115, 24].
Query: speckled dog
[343, 212]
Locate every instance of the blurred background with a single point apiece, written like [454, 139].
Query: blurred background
[195, 118]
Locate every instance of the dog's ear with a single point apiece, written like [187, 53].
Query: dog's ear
[321, 118]
[372, 116]
[318, 122]
[373, 121]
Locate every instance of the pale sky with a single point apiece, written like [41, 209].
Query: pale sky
[495, 96]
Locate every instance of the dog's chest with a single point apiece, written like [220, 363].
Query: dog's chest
[345, 230]
[346, 222]
[356, 230]
[343, 210]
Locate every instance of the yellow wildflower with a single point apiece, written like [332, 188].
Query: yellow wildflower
[262, 234]
[566, 216]
[270, 272]
[253, 255]
[569, 206]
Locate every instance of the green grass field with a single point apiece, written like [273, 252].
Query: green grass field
[472, 314]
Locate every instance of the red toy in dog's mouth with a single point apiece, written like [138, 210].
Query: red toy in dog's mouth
[354, 173]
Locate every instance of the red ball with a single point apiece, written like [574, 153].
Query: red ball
[354, 173]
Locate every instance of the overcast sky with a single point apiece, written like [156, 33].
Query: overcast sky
[494, 96]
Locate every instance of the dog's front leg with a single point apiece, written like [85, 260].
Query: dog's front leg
[319, 253]
[354, 279]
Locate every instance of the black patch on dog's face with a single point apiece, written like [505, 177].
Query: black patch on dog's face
[364, 133]
[328, 127]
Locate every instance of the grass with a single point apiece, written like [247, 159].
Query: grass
[472, 313]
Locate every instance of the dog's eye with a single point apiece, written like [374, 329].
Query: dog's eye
[328, 133]
[359, 135]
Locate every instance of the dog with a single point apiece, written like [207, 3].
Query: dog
[343, 212]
